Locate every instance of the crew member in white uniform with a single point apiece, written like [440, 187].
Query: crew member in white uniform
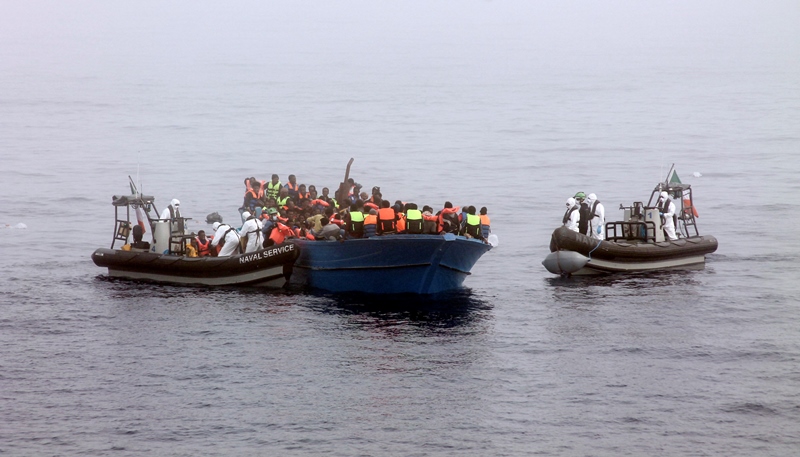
[597, 221]
[572, 216]
[231, 237]
[172, 211]
[252, 230]
[667, 209]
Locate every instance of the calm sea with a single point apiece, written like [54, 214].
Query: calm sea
[507, 105]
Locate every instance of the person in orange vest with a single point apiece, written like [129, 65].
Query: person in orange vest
[430, 222]
[302, 195]
[292, 186]
[448, 219]
[371, 223]
[251, 199]
[202, 244]
[400, 224]
[387, 219]
[486, 223]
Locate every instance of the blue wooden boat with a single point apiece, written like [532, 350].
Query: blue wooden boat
[390, 264]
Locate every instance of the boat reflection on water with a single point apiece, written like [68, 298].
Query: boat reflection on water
[439, 311]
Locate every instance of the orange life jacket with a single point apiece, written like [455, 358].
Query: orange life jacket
[386, 221]
[401, 222]
[203, 249]
[260, 191]
[452, 215]
[280, 232]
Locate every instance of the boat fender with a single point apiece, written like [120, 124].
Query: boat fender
[564, 262]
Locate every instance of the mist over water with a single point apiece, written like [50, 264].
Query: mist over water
[510, 105]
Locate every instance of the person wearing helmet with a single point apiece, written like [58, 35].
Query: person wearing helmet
[251, 231]
[597, 217]
[227, 237]
[572, 216]
[583, 213]
[667, 209]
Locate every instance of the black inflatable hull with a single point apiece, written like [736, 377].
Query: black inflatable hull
[623, 256]
[271, 267]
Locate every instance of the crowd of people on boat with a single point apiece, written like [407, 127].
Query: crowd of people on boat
[272, 211]
[586, 215]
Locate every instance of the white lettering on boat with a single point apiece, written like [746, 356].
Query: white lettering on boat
[266, 254]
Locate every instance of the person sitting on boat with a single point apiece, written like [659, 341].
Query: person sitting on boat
[448, 219]
[329, 232]
[251, 231]
[430, 222]
[354, 222]
[292, 187]
[138, 244]
[302, 195]
[597, 214]
[371, 224]
[572, 215]
[486, 223]
[667, 209]
[415, 223]
[472, 224]
[274, 187]
[202, 244]
[400, 222]
[227, 237]
[387, 219]
[327, 198]
[251, 200]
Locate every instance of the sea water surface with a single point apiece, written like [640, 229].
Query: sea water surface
[508, 105]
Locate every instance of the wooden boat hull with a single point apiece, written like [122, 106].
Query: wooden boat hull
[271, 267]
[568, 247]
[392, 264]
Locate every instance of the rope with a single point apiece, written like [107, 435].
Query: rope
[598, 245]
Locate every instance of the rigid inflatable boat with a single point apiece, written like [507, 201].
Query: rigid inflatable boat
[166, 259]
[636, 243]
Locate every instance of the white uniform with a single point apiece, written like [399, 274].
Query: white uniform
[231, 239]
[598, 218]
[170, 215]
[667, 210]
[252, 230]
[573, 215]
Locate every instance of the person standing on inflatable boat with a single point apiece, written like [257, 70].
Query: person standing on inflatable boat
[667, 209]
[597, 215]
[572, 215]
[251, 230]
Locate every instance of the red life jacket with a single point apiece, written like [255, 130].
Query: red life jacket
[203, 249]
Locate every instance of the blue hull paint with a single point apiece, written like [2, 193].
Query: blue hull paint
[392, 264]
